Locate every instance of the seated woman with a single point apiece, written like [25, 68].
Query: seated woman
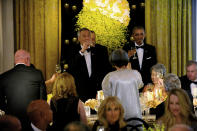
[155, 94]
[65, 104]
[178, 110]
[168, 82]
[110, 115]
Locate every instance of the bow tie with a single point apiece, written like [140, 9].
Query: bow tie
[137, 47]
[195, 82]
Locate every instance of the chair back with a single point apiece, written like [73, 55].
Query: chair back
[136, 127]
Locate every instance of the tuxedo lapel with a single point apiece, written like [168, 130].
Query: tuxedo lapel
[83, 63]
[93, 61]
[144, 56]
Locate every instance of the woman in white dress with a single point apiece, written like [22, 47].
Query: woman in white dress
[123, 83]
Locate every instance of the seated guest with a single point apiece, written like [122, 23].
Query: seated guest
[178, 110]
[76, 126]
[9, 123]
[180, 127]
[65, 104]
[123, 83]
[110, 115]
[40, 115]
[157, 89]
[189, 80]
[158, 71]
[171, 81]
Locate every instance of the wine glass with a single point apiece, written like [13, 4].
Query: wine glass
[58, 68]
[195, 104]
[100, 128]
[134, 49]
[194, 94]
[87, 110]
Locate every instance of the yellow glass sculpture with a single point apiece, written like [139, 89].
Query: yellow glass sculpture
[108, 18]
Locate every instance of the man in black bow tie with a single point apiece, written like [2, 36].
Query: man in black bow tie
[84, 66]
[142, 55]
[189, 80]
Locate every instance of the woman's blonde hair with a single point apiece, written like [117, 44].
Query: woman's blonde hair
[111, 100]
[64, 86]
[185, 106]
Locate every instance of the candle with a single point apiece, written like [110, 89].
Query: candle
[149, 95]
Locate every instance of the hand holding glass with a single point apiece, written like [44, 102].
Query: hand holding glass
[132, 52]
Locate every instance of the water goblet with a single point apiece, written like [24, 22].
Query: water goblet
[100, 128]
[58, 68]
[134, 50]
[87, 110]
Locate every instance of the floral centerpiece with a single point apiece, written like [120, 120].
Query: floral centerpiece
[108, 18]
[95, 103]
[155, 97]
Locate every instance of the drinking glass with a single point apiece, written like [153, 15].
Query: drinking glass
[100, 128]
[195, 104]
[87, 110]
[134, 49]
[58, 68]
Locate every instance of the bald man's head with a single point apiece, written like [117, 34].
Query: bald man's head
[22, 56]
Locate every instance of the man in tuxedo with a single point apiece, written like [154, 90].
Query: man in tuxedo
[19, 86]
[84, 66]
[144, 57]
[102, 59]
[189, 81]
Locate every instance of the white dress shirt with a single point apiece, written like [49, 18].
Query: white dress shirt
[87, 56]
[193, 88]
[34, 127]
[140, 53]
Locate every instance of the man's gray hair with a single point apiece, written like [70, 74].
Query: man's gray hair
[191, 62]
[82, 29]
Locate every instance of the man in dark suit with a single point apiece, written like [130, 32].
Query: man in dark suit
[84, 66]
[19, 86]
[189, 81]
[102, 58]
[142, 56]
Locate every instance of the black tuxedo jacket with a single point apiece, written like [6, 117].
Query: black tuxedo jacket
[86, 86]
[102, 61]
[185, 84]
[149, 59]
[18, 87]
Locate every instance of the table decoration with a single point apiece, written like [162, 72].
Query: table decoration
[95, 103]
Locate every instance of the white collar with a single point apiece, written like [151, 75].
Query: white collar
[82, 46]
[35, 128]
[139, 45]
[20, 64]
